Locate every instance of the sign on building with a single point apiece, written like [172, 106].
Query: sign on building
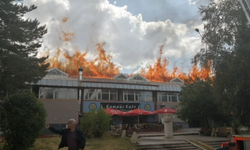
[246, 7]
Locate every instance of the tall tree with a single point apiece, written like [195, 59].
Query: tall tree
[227, 33]
[198, 103]
[20, 39]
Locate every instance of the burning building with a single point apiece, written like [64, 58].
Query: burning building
[66, 97]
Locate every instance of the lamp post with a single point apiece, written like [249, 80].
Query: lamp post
[80, 70]
[198, 31]
[80, 73]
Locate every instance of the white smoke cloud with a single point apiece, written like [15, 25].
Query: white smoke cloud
[133, 42]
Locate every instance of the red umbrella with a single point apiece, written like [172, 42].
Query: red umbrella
[165, 110]
[138, 111]
[113, 111]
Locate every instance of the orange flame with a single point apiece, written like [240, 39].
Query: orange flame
[103, 67]
[158, 72]
[100, 67]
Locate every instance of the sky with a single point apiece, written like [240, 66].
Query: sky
[132, 29]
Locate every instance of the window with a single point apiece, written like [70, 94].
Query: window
[137, 96]
[61, 93]
[162, 97]
[131, 96]
[100, 94]
[148, 96]
[173, 97]
[72, 93]
[46, 93]
[57, 93]
[113, 95]
[167, 97]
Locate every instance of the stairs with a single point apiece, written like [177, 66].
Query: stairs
[167, 146]
[214, 144]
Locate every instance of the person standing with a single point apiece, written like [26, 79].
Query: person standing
[71, 137]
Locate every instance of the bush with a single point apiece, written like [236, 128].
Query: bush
[25, 117]
[2, 119]
[95, 124]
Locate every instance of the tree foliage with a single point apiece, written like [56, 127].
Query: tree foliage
[198, 103]
[227, 33]
[95, 124]
[25, 117]
[19, 42]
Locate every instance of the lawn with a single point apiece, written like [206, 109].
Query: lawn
[105, 143]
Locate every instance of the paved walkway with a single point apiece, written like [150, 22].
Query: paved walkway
[180, 137]
[177, 139]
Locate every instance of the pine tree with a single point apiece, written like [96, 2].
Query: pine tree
[19, 42]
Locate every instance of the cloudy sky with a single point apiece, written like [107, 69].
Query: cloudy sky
[132, 29]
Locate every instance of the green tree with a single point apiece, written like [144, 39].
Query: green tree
[198, 103]
[25, 117]
[95, 124]
[19, 42]
[102, 122]
[88, 123]
[226, 32]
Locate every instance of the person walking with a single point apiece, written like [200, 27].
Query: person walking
[72, 137]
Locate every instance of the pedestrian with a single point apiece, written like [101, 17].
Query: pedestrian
[71, 137]
[231, 146]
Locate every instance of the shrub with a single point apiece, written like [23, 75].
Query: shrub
[25, 117]
[95, 123]
[2, 119]
[87, 124]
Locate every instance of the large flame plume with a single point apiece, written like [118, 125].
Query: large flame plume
[103, 67]
[158, 71]
[100, 67]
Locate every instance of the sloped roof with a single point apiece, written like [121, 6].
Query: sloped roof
[177, 80]
[138, 77]
[56, 72]
[121, 76]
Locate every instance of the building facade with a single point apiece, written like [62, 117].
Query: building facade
[65, 97]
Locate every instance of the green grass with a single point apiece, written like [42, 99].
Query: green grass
[105, 143]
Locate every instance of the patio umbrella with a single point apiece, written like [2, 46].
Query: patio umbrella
[137, 112]
[165, 111]
[113, 112]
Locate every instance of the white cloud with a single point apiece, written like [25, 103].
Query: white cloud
[132, 41]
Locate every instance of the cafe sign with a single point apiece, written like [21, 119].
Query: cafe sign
[121, 106]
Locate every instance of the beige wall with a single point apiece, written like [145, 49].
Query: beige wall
[60, 111]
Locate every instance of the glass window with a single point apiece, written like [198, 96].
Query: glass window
[72, 93]
[113, 96]
[100, 94]
[167, 97]
[162, 97]
[61, 93]
[173, 97]
[130, 97]
[105, 96]
[148, 96]
[46, 93]
[137, 96]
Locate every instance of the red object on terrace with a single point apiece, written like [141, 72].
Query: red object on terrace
[137, 112]
[165, 111]
[114, 112]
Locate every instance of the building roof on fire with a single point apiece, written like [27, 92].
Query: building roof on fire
[56, 77]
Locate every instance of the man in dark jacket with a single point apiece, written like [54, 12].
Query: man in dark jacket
[71, 137]
[231, 146]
